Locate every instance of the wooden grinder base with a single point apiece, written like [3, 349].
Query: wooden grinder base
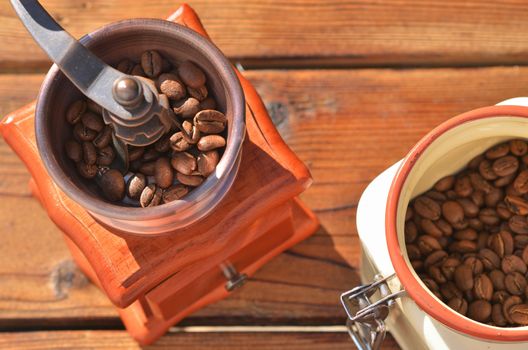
[156, 281]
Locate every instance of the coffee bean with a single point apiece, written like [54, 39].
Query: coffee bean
[427, 208]
[152, 63]
[448, 290]
[88, 171]
[474, 163]
[163, 173]
[479, 310]
[435, 195]
[497, 316]
[513, 263]
[199, 93]
[92, 121]
[135, 185]
[191, 75]
[497, 279]
[189, 180]
[192, 131]
[208, 103]
[463, 187]
[482, 240]
[83, 134]
[150, 155]
[518, 224]
[452, 211]
[518, 147]
[138, 71]
[506, 165]
[483, 287]
[75, 111]
[446, 229]
[486, 170]
[210, 142]
[187, 108]
[104, 138]
[479, 183]
[170, 85]
[125, 66]
[489, 216]
[435, 258]
[471, 210]
[520, 241]
[489, 259]
[477, 197]
[475, 263]
[463, 277]
[508, 304]
[174, 192]
[151, 196]
[515, 283]
[451, 194]
[496, 243]
[504, 181]
[112, 185]
[431, 284]
[148, 169]
[428, 244]
[497, 151]
[520, 184]
[74, 150]
[417, 265]
[135, 153]
[445, 183]
[448, 267]
[207, 162]
[178, 142]
[429, 227]
[466, 234]
[463, 246]
[508, 241]
[210, 121]
[459, 305]
[413, 252]
[186, 164]
[493, 197]
[444, 241]
[524, 255]
[89, 153]
[516, 205]
[105, 156]
[500, 297]
[519, 314]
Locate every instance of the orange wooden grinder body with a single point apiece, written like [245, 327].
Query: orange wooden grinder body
[157, 281]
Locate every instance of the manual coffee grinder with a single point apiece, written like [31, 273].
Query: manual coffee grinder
[158, 265]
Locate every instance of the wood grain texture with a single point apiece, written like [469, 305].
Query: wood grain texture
[114, 340]
[311, 32]
[347, 125]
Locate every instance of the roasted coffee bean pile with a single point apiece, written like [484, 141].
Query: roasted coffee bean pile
[467, 237]
[168, 169]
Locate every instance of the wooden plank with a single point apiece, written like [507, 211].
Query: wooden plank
[347, 125]
[281, 33]
[113, 340]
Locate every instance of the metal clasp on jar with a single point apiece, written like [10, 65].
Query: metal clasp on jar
[367, 306]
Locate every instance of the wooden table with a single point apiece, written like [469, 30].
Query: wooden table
[351, 85]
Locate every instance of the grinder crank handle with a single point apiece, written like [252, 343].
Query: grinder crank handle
[122, 95]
